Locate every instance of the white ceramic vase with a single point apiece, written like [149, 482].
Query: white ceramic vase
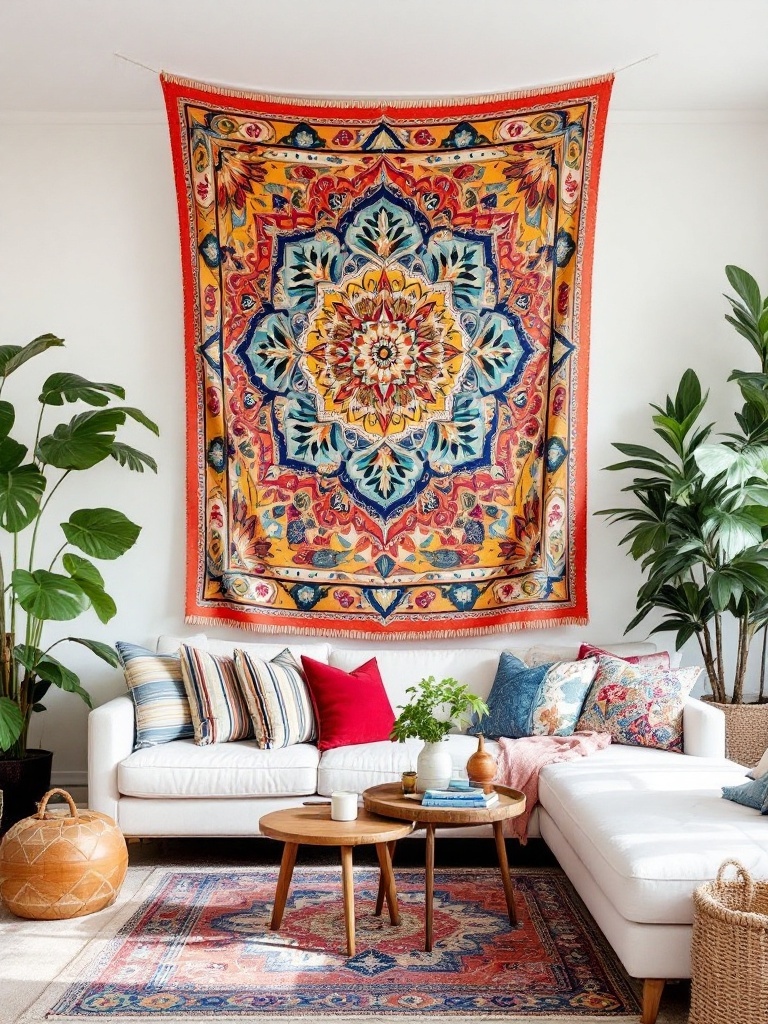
[434, 767]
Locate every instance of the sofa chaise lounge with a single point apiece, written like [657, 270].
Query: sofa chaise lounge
[636, 830]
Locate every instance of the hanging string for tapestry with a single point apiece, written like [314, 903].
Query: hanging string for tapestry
[387, 322]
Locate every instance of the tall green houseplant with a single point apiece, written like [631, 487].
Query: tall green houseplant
[64, 586]
[699, 512]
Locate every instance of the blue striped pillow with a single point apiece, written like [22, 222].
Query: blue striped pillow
[219, 711]
[154, 682]
[278, 699]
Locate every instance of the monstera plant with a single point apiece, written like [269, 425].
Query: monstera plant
[60, 587]
[699, 514]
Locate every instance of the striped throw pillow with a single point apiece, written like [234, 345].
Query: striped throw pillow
[160, 702]
[219, 711]
[278, 699]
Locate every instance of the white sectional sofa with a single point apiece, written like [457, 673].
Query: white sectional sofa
[636, 830]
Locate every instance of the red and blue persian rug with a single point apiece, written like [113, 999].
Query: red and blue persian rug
[199, 945]
[387, 331]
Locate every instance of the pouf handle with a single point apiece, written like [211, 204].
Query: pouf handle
[741, 873]
[56, 792]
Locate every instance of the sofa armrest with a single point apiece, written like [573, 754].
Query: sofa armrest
[703, 729]
[110, 740]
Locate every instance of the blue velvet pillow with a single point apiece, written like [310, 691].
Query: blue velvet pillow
[752, 794]
[544, 700]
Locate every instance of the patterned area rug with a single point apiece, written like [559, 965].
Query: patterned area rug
[199, 946]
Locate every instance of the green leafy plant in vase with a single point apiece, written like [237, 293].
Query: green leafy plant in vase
[58, 588]
[434, 709]
[699, 524]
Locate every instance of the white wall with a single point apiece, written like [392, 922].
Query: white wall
[90, 251]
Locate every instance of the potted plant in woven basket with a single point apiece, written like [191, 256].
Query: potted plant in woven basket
[435, 708]
[699, 520]
[37, 588]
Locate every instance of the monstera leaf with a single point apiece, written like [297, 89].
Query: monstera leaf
[50, 671]
[20, 493]
[103, 651]
[14, 356]
[7, 418]
[83, 442]
[91, 582]
[101, 532]
[71, 387]
[11, 723]
[48, 595]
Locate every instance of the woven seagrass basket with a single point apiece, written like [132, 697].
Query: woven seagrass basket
[729, 951]
[746, 731]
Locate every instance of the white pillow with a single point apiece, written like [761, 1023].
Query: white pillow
[761, 768]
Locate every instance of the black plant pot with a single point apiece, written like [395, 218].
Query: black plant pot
[24, 783]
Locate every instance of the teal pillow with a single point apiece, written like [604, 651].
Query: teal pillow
[545, 700]
[752, 794]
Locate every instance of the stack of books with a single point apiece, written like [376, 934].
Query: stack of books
[459, 797]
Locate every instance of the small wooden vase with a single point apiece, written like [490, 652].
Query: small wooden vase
[61, 866]
[481, 767]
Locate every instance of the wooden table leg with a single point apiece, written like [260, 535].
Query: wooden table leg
[501, 853]
[283, 883]
[388, 878]
[429, 895]
[382, 887]
[348, 886]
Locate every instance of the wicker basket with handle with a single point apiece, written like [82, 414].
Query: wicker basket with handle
[55, 866]
[729, 952]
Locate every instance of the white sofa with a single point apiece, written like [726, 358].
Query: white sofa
[636, 830]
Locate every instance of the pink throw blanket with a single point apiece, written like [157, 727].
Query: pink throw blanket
[520, 762]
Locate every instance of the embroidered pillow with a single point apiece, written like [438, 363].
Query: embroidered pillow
[638, 706]
[657, 660]
[751, 794]
[543, 700]
[216, 701]
[278, 700]
[160, 702]
[351, 707]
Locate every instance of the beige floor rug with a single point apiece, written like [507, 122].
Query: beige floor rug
[39, 961]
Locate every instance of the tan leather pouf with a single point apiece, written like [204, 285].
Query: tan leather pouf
[55, 866]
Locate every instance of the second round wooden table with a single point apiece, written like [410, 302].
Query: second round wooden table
[314, 826]
[388, 801]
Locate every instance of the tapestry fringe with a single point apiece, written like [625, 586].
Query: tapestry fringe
[358, 634]
[382, 103]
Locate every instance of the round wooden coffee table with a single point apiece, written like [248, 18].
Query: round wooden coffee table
[388, 800]
[315, 827]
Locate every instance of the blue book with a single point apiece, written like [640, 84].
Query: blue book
[465, 805]
[455, 797]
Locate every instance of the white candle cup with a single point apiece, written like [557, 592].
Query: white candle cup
[343, 806]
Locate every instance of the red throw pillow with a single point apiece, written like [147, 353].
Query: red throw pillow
[658, 660]
[350, 707]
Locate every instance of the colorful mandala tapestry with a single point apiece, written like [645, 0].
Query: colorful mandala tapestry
[387, 315]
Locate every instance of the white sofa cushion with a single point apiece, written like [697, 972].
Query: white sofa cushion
[476, 667]
[182, 769]
[651, 826]
[370, 764]
[167, 644]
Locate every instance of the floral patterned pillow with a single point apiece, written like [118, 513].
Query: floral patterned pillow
[540, 700]
[638, 706]
[659, 659]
